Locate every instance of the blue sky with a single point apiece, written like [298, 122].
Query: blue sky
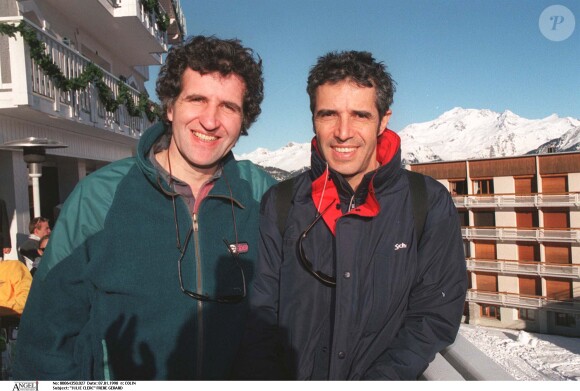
[441, 53]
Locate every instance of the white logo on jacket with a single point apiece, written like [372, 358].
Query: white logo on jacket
[399, 246]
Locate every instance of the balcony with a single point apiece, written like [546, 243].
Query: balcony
[27, 93]
[515, 300]
[519, 234]
[125, 27]
[540, 269]
[569, 200]
[464, 361]
[177, 29]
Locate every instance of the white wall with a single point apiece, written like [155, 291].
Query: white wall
[504, 185]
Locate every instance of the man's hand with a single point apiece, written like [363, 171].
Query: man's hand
[7, 250]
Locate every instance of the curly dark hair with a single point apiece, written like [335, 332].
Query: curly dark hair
[360, 67]
[210, 54]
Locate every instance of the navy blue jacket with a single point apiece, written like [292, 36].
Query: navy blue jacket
[396, 302]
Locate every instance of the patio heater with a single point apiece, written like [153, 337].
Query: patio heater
[34, 151]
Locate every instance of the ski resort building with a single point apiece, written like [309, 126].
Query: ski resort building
[520, 219]
[72, 75]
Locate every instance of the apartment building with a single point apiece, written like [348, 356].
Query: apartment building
[520, 219]
[58, 41]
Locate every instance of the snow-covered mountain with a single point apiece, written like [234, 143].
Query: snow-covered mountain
[468, 133]
[290, 158]
[456, 135]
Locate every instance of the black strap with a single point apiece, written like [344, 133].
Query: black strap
[283, 202]
[419, 201]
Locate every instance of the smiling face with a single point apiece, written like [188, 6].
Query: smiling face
[206, 120]
[347, 124]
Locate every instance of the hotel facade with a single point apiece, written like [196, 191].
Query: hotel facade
[98, 122]
[520, 219]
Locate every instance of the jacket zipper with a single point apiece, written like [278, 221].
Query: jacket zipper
[351, 204]
[200, 346]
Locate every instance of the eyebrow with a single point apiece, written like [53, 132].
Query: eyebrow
[191, 97]
[322, 112]
[360, 113]
[363, 113]
[234, 105]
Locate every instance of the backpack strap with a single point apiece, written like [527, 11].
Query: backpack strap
[283, 202]
[419, 201]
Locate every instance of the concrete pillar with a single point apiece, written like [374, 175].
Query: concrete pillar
[543, 321]
[474, 313]
[14, 190]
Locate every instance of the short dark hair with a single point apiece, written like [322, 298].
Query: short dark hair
[207, 55]
[360, 67]
[35, 223]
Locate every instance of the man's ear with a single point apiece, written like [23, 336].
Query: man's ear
[384, 122]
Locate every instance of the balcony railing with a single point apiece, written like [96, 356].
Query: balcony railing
[515, 300]
[531, 234]
[149, 20]
[540, 269]
[38, 91]
[517, 201]
[464, 361]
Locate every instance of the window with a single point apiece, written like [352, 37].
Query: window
[530, 285]
[558, 252]
[485, 250]
[483, 186]
[555, 184]
[556, 219]
[527, 218]
[484, 218]
[486, 282]
[463, 218]
[525, 185]
[565, 320]
[466, 249]
[528, 251]
[458, 187]
[527, 314]
[490, 311]
[558, 289]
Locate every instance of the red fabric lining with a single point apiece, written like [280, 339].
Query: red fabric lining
[387, 145]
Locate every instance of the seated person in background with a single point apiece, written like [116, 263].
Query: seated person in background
[41, 246]
[28, 251]
[15, 280]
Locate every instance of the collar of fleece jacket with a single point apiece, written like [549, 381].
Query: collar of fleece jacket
[328, 186]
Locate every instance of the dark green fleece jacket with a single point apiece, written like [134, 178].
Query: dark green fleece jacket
[106, 302]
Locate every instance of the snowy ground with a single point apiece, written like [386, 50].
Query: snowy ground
[528, 356]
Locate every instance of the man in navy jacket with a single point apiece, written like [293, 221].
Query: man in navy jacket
[349, 288]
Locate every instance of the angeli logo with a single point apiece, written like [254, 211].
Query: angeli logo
[25, 386]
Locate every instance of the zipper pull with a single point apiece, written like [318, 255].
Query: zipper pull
[195, 225]
[351, 205]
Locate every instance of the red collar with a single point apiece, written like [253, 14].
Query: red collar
[324, 192]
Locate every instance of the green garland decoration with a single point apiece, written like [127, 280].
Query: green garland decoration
[152, 6]
[91, 74]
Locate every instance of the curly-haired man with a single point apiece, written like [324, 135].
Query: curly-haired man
[146, 271]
